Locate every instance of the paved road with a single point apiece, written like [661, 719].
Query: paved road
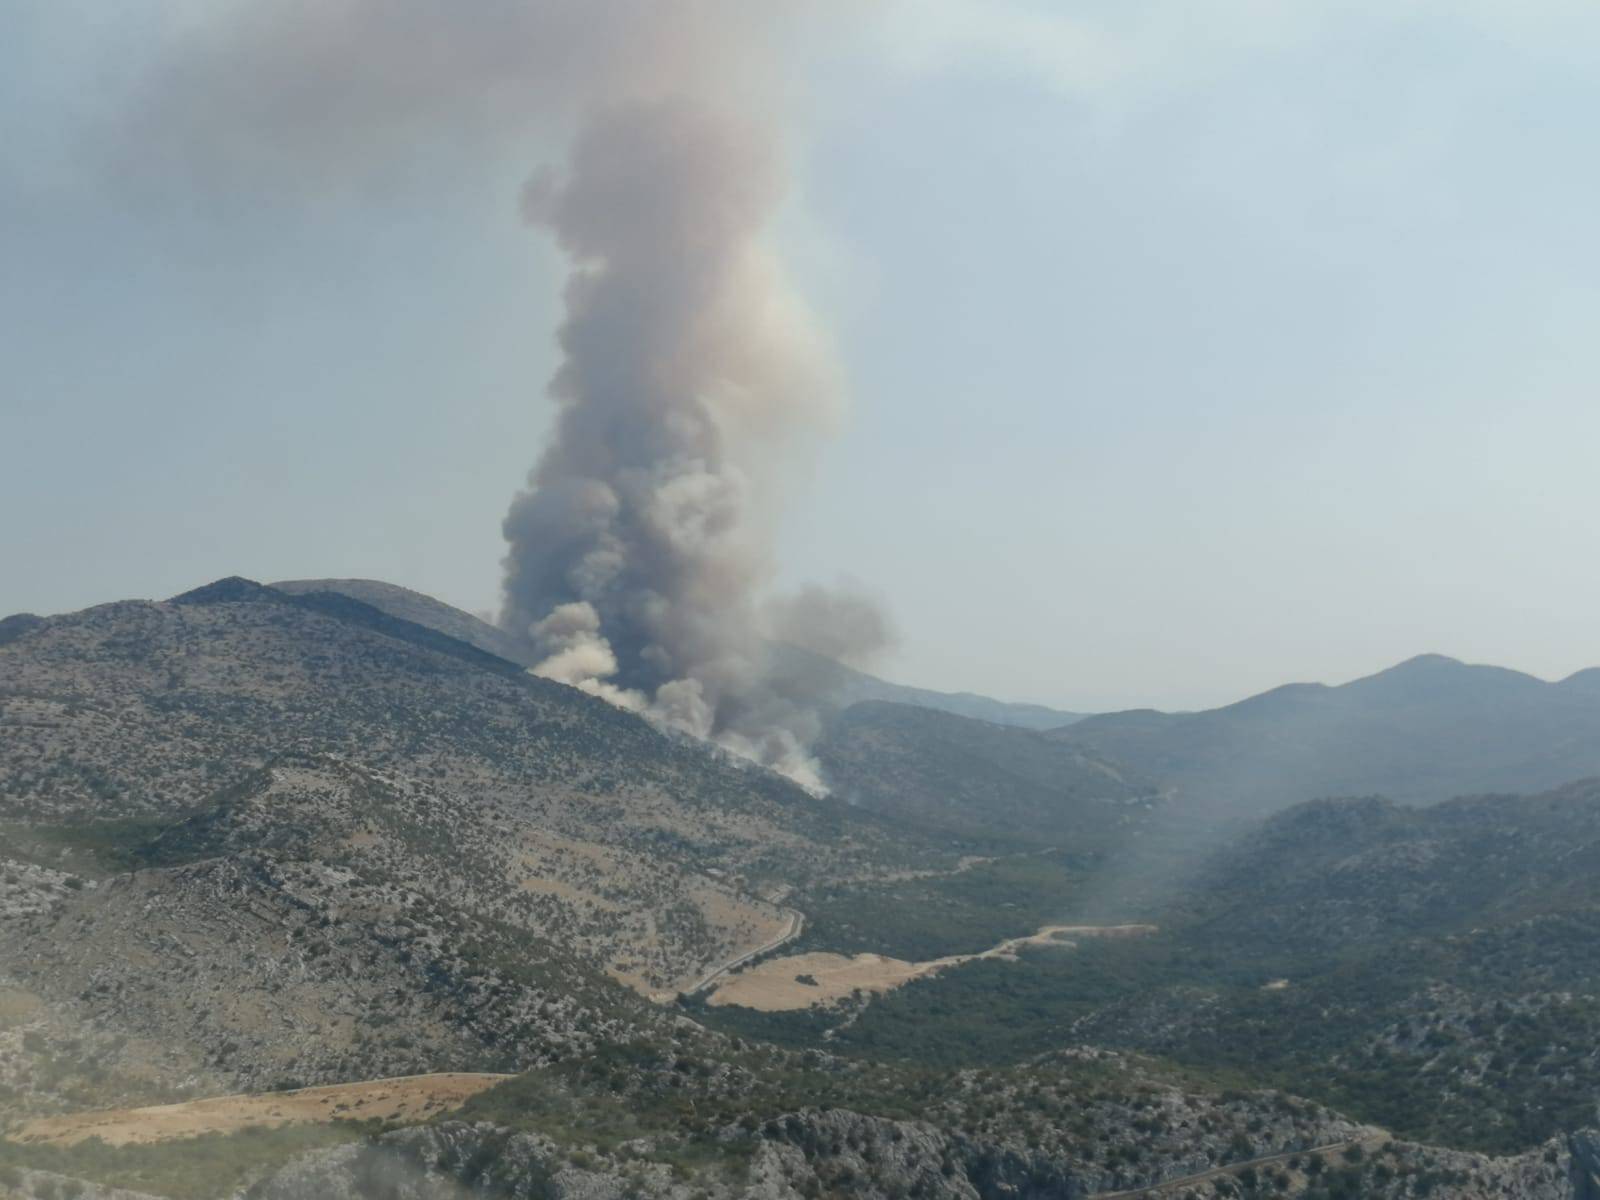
[797, 924]
[1270, 1160]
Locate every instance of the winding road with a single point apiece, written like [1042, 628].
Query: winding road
[796, 926]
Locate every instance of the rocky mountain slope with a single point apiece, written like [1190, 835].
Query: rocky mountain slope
[247, 837]
[151, 711]
[1426, 730]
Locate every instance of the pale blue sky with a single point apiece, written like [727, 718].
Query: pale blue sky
[1193, 347]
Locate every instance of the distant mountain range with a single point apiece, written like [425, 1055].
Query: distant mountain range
[1426, 730]
[845, 686]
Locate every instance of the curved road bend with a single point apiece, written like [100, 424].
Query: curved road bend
[797, 924]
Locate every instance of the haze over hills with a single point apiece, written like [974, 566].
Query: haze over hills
[975, 779]
[1431, 970]
[1425, 730]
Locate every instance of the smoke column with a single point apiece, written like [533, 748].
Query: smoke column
[694, 382]
[691, 372]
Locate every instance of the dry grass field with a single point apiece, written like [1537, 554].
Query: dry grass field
[404, 1099]
[806, 980]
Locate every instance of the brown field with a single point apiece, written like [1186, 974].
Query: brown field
[405, 1098]
[775, 986]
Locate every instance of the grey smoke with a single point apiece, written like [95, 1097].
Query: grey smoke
[695, 381]
[692, 372]
[840, 623]
[316, 95]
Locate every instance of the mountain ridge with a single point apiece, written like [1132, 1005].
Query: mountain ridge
[1421, 731]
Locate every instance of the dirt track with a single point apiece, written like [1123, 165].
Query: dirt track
[776, 985]
[403, 1098]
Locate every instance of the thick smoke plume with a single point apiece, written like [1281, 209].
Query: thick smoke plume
[694, 380]
[692, 372]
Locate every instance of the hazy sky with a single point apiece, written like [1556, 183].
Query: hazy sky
[1193, 347]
